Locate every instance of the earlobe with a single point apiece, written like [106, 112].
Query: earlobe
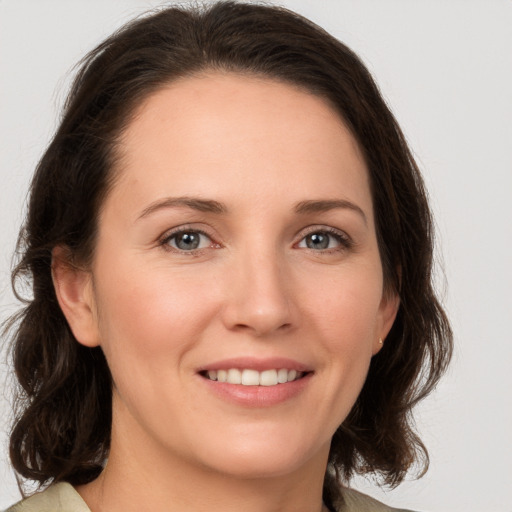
[73, 288]
[388, 310]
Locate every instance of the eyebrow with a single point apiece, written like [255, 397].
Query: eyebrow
[305, 207]
[211, 206]
[195, 203]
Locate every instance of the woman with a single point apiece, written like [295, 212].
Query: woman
[230, 249]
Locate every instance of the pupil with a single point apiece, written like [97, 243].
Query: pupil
[317, 241]
[187, 241]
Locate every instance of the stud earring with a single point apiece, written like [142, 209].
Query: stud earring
[381, 342]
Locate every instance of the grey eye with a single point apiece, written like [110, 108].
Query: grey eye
[189, 240]
[317, 241]
[321, 240]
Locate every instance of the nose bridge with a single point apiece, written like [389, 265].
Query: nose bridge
[260, 298]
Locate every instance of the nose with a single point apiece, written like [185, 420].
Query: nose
[260, 299]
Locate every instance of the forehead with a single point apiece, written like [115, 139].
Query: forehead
[226, 134]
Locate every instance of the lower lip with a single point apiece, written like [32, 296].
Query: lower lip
[258, 396]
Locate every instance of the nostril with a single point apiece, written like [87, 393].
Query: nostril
[262, 329]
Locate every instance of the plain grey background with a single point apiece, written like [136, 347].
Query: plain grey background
[445, 66]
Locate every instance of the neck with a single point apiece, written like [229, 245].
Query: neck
[138, 476]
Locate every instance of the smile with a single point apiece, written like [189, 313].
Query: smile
[250, 377]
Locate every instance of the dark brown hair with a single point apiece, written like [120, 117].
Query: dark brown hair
[62, 429]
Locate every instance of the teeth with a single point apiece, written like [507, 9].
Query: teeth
[250, 378]
[282, 376]
[234, 376]
[268, 378]
[253, 377]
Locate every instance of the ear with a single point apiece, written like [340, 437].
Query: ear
[73, 287]
[388, 310]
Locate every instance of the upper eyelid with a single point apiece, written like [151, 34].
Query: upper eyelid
[184, 228]
[171, 233]
[319, 228]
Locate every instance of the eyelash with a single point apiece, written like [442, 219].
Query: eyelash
[345, 242]
[164, 242]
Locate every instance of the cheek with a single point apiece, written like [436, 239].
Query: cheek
[346, 320]
[347, 310]
[151, 316]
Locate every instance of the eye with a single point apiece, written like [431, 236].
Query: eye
[322, 240]
[189, 240]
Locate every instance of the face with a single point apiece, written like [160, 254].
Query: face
[236, 288]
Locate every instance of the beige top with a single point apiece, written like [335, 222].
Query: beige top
[62, 497]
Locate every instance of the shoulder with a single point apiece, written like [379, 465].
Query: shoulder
[60, 497]
[358, 502]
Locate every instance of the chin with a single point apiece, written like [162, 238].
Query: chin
[244, 466]
[260, 458]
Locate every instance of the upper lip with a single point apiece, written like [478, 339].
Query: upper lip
[251, 363]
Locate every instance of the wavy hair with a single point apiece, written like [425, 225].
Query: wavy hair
[63, 420]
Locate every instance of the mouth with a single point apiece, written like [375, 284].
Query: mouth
[257, 382]
[251, 377]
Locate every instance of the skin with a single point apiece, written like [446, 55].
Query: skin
[253, 289]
